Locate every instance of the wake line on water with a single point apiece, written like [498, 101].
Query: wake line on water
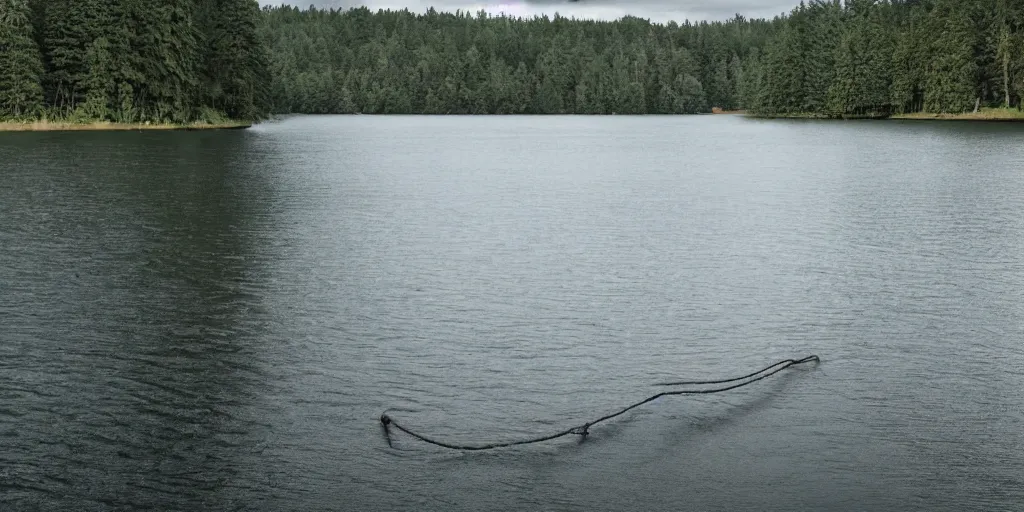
[584, 430]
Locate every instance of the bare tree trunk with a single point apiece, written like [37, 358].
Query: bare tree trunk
[1006, 77]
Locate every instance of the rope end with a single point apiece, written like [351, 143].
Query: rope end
[385, 420]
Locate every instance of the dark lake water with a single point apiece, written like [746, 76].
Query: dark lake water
[215, 321]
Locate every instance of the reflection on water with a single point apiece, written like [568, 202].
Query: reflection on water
[134, 308]
[215, 320]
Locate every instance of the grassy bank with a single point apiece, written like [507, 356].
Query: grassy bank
[789, 115]
[717, 110]
[814, 115]
[61, 126]
[985, 114]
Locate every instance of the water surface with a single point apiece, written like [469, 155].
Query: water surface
[214, 321]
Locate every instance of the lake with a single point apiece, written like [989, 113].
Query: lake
[216, 320]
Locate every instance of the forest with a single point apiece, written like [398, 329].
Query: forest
[391, 62]
[881, 58]
[824, 58]
[133, 61]
[185, 60]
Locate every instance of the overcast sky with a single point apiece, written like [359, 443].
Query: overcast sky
[656, 10]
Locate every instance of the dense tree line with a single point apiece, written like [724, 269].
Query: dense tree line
[867, 57]
[826, 57]
[132, 60]
[334, 61]
[181, 60]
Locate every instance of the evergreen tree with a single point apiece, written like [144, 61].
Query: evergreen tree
[863, 63]
[750, 83]
[235, 73]
[950, 76]
[821, 42]
[98, 83]
[21, 68]
[781, 75]
[735, 80]
[71, 29]
[166, 43]
[908, 66]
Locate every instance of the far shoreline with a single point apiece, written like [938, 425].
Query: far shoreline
[1013, 116]
[61, 126]
[985, 115]
[1000, 115]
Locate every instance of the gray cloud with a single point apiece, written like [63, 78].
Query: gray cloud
[656, 10]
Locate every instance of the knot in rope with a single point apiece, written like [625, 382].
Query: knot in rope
[582, 431]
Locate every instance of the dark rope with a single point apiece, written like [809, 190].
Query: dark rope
[788, 362]
[584, 429]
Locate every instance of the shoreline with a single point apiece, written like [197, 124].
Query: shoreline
[985, 115]
[816, 116]
[1003, 117]
[61, 126]
[990, 115]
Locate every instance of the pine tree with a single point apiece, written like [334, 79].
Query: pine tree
[750, 84]
[878, 50]
[950, 77]
[99, 84]
[906, 94]
[21, 68]
[71, 28]
[235, 61]
[863, 64]
[844, 95]
[522, 90]
[781, 80]
[549, 98]
[820, 44]
[666, 100]
[723, 87]
[736, 78]
[166, 43]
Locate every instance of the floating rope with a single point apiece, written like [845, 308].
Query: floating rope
[584, 430]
